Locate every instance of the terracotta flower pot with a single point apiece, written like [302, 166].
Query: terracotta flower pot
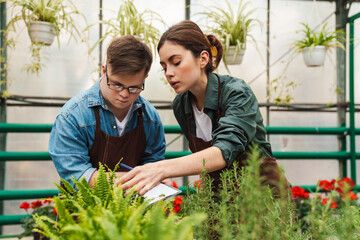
[229, 57]
[41, 32]
[314, 57]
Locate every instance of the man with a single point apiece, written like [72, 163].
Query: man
[110, 121]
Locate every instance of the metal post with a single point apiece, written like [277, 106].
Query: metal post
[268, 66]
[187, 9]
[185, 179]
[352, 99]
[3, 71]
[341, 19]
[100, 36]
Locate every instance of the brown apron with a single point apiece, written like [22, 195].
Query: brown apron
[269, 168]
[107, 149]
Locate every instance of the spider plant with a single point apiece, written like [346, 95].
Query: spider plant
[326, 38]
[60, 14]
[233, 28]
[129, 21]
[314, 45]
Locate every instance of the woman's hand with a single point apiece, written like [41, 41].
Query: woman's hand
[145, 177]
[142, 178]
[167, 181]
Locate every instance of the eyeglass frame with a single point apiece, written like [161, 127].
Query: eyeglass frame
[122, 87]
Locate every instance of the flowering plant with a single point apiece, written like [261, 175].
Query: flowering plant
[176, 204]
[335, 193]
[302, 202]
[197, 184]
[40, 207]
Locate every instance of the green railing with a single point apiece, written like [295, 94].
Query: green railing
[44, 156]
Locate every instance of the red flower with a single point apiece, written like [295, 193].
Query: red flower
[36, 204]
[299, 192]
[177, 208]
[54, 211]
[25, 205]
[197, 184]
[348, 180]
[48, 200]
[350, 195]
[340, 187]
[333, 204]
[177, 202]
[326, 185]
[174, 184]
[344, 185]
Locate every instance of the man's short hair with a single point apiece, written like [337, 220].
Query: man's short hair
[128, 55]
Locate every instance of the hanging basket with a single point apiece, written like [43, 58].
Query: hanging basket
[42, 32]
[229, 56]
[314, 57]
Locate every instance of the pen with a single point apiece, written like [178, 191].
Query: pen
[126, 166]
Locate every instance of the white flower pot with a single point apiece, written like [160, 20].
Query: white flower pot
[41, 32]
[314, 57]
[230, 59]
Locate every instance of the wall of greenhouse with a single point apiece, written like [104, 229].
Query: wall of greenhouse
[69, 70]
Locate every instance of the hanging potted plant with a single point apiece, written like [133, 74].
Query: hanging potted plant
[44, 20]
[41, 32]
[129, 21]
[314, 45]
[233, 29]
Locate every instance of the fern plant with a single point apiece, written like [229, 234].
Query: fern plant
[85, 195]
[106, 212]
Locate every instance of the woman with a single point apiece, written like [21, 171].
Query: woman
[219, 115]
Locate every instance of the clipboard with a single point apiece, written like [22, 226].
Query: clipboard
[160, 192]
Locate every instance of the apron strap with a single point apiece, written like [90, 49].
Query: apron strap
[97, 117]
[140, 115]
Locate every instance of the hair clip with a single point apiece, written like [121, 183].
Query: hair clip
[213, 51]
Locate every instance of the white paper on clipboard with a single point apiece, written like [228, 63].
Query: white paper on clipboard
[161, 191]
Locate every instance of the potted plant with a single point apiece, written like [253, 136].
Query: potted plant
[314, 45]
[44, 20]
[233, 29]
[129, 21]
[40, 208]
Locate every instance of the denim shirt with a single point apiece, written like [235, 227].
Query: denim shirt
[73, 132]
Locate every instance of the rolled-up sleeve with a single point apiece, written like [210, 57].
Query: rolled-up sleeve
[69, 151]
[238, 125]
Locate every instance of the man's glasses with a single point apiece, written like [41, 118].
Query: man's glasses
[119, 87]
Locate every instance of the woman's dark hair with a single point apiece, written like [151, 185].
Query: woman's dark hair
[189, 35]
[128, 55]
